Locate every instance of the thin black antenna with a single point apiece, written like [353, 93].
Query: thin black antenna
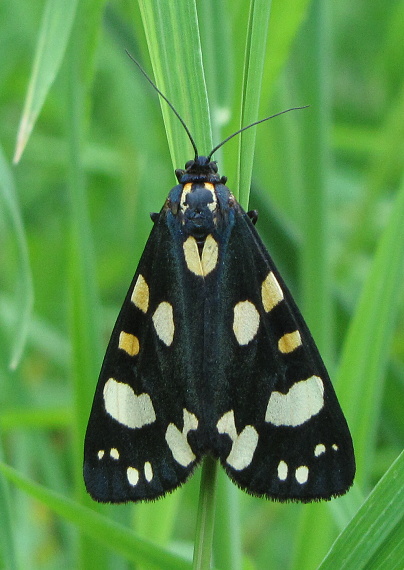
[252, 125]
[168, 103]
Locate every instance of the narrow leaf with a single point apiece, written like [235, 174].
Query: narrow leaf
[57, 20]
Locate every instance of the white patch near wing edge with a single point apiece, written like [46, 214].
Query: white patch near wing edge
[303, 401]
[126, 407]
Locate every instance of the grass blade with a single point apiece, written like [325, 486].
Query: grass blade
[377, 528]
[365, 355]
[24, 287]
[103, 530]
[57, 21]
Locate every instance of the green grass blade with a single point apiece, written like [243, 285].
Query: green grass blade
[166, 27]
[103, 530]
[376, 533]
[313, 205]
[8, 557]
[24, 288]
[172, 35]
[286, 18]
[366, 350]
[57, 21]
[206, 516]
[253, 69]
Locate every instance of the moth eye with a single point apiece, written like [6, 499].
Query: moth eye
[189, 164]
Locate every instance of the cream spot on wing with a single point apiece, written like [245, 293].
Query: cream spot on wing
[126, 407]
[245, 322]
[210, 254]
[271, 292]
[114, 453]
[140, 294]
[302, 474]
[282, 470]
[319, 449]
[129, 343]
[303, 401]
[191, 255]
[177, 441]
[244, 445]
[100, 454]
[148, 471]
[289, 342]
[133, 475]
[163, 321]
[335, 447]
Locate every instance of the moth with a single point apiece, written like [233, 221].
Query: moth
[210, 355]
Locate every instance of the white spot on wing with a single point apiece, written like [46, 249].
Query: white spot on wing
[319, 449]
[282, 470]
[133, 475]
[148, 471]
[140, 294]
[100, 454]
[177, 441]
[114, 453]
[244, 445]
[126, 407]
[302, 474]
[335, 447]
[271, 292]
[303, 401]
[245, 322]
[163, 321]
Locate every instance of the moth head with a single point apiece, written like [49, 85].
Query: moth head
[199, 169]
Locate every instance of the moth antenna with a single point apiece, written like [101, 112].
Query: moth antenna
[252, 125]
[168, 103]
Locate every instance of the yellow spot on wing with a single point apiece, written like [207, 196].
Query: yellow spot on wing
[191, 254]
[271, 292]
[289, 342]
[140, 295]
[210, 254]
[129, 343]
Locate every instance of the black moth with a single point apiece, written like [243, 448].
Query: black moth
[210, 355]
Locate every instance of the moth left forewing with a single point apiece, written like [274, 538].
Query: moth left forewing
[145, 411]
[281, 430]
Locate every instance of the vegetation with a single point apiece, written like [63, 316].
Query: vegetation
[92, 161]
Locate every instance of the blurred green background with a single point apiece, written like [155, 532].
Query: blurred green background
[74, 218]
